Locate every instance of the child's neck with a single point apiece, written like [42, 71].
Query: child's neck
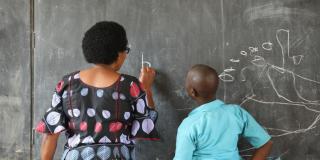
[202, 101]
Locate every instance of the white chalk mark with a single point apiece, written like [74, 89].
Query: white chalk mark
[248, 149]
[234, 60]
[284, 100]
[267, 46]
[301, 101]
[268, 158]
[242, 76]
[244, 53]
[289, 102]
[230, 69]
[253, 49]
[258, 61]
[285, 50]
[272, 10]
[293, 75]
[287, 132]
[296, 104]
[297, 59]
[143, 62]
[279, 69]
[225, 77]
[148, 63]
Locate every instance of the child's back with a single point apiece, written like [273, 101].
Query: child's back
[212, 130]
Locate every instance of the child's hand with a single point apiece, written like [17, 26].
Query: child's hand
[146, 77]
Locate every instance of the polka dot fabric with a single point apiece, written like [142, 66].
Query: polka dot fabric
[101, 152]
[100, 123]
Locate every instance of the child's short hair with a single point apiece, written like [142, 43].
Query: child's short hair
[103, 41]
[208, 81]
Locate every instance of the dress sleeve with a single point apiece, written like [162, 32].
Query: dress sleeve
[253, 132]
[143, 125]
[54, 120]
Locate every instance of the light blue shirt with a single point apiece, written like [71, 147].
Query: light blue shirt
[212, 130]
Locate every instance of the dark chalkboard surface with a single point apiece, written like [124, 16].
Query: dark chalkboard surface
[266, 52]
[15, 89]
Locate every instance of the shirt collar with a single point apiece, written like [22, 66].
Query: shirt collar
[207, 106]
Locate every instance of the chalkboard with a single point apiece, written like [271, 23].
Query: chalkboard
[15, 89]
[266, 53]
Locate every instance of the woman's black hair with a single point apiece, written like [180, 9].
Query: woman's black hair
[103, 41]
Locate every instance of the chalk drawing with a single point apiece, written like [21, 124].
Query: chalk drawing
[267, 46]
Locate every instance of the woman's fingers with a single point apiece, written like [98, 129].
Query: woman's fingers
[147, 70]
[147, 76]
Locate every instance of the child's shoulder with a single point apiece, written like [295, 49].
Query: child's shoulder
[236, 110]
[189, 122]
[232, 106]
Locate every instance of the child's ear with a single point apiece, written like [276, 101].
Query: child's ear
[194, 92]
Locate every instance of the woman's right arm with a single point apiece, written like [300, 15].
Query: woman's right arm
[146, 78]
[48, 146]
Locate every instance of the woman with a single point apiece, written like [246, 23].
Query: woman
[101, 110]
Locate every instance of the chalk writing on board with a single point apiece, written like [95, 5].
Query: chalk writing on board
[230, 69]
[226, 77]
[244, 53]
[285, 47]
[267, 46]
[290, 77]
[234, 60]
[253, 49]
[266, 68]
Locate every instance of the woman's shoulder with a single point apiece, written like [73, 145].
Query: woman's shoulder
[65, 80]
[129, 78]
[71, 75]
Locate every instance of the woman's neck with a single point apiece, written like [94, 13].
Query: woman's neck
[105, 67]
[99, 75]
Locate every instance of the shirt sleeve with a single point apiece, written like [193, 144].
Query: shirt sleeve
[184, 145]
[253, 132]
[143, 125]
[54, 120]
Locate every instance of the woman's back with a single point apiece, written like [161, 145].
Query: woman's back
[101, 110]
[100, 119]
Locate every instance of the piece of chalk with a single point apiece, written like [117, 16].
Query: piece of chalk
[142, 60]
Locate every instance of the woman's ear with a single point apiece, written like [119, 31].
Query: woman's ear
[120, 60]
[122, 56]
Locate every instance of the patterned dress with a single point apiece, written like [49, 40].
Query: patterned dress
[100, 123]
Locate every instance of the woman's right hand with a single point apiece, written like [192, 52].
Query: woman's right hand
[146, 77]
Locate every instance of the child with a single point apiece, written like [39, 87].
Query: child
[211, 131]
